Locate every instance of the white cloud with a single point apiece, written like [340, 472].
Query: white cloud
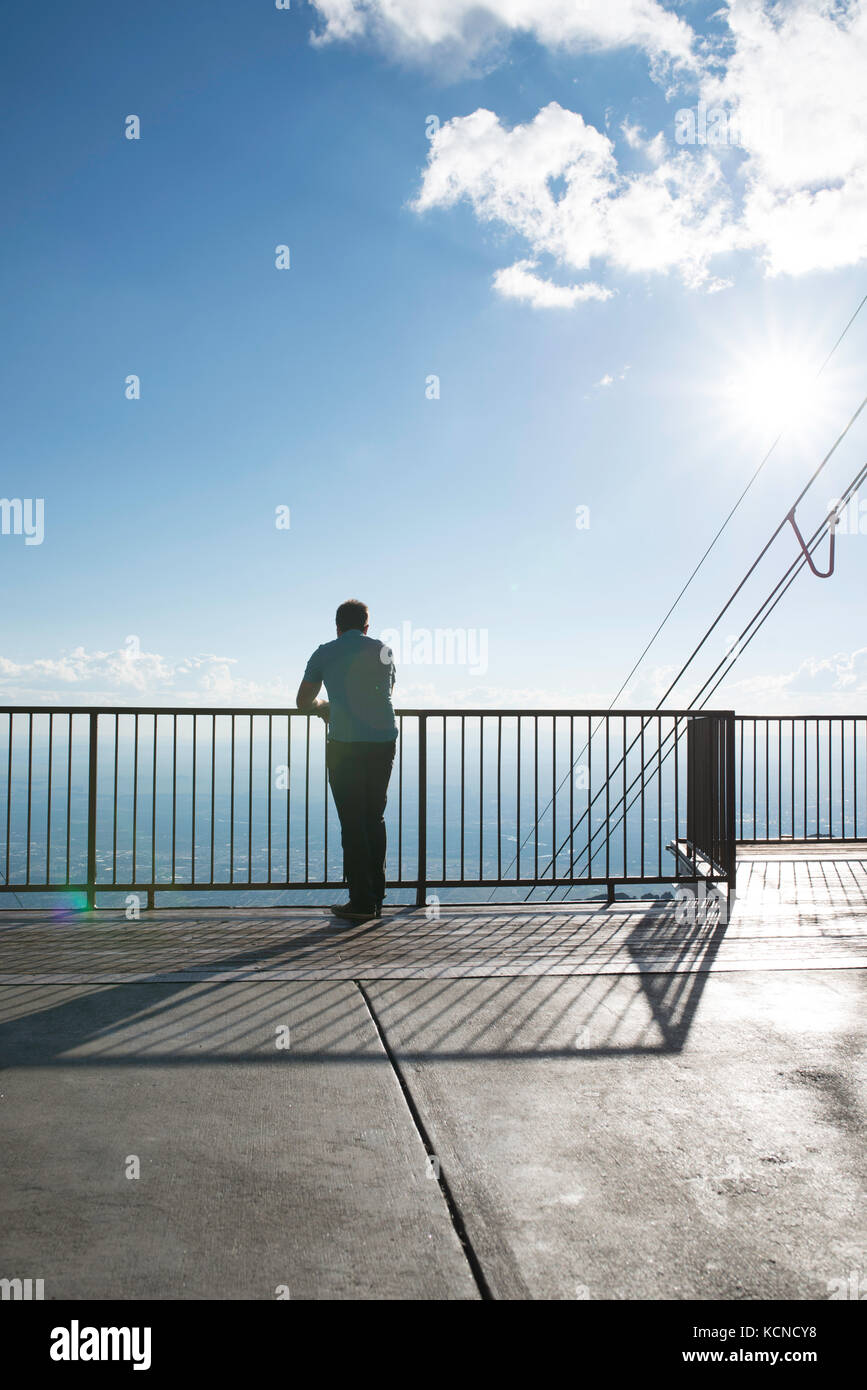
[462, 31]
[790, 189]
[129, 675]
[518, 281]
[675, 216]
[835, 684]
[633, 135]
[121, 677]
[609, 378]
[795, 88]
[654, 149]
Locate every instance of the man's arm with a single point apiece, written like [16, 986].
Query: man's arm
[306, 699]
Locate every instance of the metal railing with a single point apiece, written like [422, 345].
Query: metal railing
[801, 778]
[156, 800]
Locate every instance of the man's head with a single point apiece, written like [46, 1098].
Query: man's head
[352, 616]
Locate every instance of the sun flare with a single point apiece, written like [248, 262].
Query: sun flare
[775, 392]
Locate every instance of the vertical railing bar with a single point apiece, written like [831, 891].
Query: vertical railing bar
[767, 779]
[779, 779]
[755, 778]
[830, 777]
[810, 760]
[723, 795]
[710, 767]
[536, 796]
[250, 803]
[720, 802]
[174, 792]
[481, 793]
[288, 795]
[421, 868]
[92, 769]
[9, 793]
[68, 789]
[445, 730]
[114, 801]
[213, 806]
[325, 810]
[194, 796]
[659, 795]
[842, 778]
[135, 802]
[232, 806]
[589, 873]
[307, 801]
[731, 856]
[717, 825]
[269, 773]
[792, 774]
[741, 772]
[400, 798]
[48, 826]
[691, 810]
[29, 787]
[571, 796]
[553, 796]
[154, 809]
[643, 813]
[721, 799]
[714, 745]
[499, 797]
[794, 771]
[518, 802]
[817, 777]
[607, 798]
[805, 776]
[855, 778]
[677, 794]
[463, 788]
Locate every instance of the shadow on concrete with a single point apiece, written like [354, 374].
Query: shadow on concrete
[168, 1022]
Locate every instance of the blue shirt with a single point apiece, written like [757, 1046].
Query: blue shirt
[358, 673]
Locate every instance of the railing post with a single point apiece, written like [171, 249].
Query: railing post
[91, 814]
[730, 805]
[422, 810]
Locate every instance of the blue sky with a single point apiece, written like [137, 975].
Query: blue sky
[635, 395]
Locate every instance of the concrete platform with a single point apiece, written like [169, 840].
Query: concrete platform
[261, 1167]
[600, 1146]
[619, 1106]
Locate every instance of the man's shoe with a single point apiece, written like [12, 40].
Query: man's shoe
[354, 914]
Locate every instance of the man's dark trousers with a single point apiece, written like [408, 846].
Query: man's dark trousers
[358, 774]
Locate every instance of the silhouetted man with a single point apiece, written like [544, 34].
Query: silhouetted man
[358, 672]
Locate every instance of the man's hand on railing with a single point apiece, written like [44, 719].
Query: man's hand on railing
[306, 700]
[320, 707]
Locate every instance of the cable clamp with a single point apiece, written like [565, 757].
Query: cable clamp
[820, 574]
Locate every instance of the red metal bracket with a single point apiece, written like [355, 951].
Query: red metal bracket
[820, 574]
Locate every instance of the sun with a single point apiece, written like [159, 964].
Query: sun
[774, 392]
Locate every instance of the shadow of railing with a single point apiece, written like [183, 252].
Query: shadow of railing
[603, 984]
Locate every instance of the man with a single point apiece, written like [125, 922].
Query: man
[358, 672]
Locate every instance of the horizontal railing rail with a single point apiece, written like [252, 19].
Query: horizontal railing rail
[146, 800]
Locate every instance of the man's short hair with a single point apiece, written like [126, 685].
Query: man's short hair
[351, 615]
